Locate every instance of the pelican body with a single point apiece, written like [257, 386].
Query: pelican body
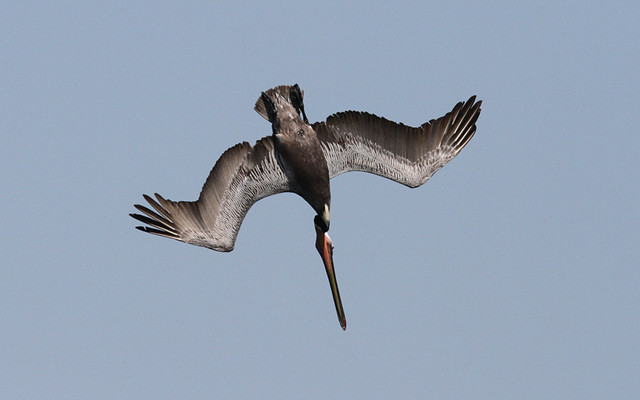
[301, 158]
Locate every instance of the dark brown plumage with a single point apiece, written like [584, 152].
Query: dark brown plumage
[301, 158]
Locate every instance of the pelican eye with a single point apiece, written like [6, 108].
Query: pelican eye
[320, 223]
[301, 132]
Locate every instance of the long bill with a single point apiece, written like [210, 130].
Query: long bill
[325, 248]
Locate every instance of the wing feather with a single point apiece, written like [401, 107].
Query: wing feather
[359, 141]
[243, 175]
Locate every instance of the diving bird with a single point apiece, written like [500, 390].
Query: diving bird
[300, 157]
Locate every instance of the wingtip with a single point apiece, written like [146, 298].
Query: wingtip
[473, 101]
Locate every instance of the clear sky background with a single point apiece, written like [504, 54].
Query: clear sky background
[514, 273]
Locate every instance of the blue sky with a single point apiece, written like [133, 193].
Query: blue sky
[512, 273]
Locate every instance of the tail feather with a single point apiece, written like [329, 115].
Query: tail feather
[278, 95]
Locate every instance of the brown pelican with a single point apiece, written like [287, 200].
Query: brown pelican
[301, 158]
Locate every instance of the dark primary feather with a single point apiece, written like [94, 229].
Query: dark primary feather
[242, 176]
[359, 141]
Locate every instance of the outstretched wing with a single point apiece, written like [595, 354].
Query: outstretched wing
[243, 175]
[359, 141]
